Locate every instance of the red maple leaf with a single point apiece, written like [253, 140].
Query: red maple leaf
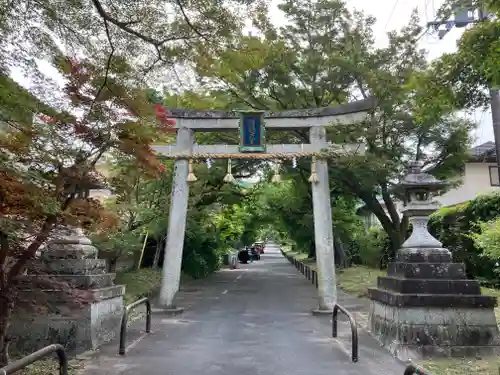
[162, 115]
[47, 119]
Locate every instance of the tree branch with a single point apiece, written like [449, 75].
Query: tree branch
[125, 26]
[108, 64]
[186, 18]
[31, 250]
[390, 206]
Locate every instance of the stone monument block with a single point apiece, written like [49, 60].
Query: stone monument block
[70, 256]
[426, 306]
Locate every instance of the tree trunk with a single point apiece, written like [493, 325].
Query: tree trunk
[6, 308]
[156, 259]
[343, 261]
[312, 250]
[396, 238]
[112, 265]
[395, 231]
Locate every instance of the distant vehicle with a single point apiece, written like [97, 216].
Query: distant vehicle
[255, 253]
[260, 247]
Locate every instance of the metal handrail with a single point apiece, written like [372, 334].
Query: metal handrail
[36, 356]
[123, 329]
[354, 329]
[412, 369]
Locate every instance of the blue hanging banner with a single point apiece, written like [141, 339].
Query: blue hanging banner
[252, 137]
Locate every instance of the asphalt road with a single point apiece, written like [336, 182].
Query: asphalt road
[255, 320]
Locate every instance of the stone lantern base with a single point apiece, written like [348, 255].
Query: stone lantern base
[70, 256]
[426, 306]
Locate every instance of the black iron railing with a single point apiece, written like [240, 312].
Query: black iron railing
[412, 369]
[123, 330]
[306, 270]
[354, 329]
[36, 356]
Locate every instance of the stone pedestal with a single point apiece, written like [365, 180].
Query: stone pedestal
[426, 306]
[70, 257]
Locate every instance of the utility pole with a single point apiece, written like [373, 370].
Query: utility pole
[464, 18]
[495, 117]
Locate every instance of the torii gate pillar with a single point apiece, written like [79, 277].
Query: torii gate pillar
[323, 229]
[172, 260]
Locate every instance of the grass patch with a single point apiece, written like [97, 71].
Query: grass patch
[357, 279]
[445, 366]
[50, 366]
[302, 257]
[139, 283]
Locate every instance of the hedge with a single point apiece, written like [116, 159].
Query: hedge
[453, 226]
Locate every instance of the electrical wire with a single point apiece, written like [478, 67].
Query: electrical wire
[426, 13]
[391, 14]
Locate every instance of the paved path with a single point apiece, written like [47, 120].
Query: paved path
[252, 321]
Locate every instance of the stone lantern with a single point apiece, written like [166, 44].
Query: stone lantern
[420, 188]
[426, 306]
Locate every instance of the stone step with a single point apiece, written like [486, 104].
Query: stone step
[424, 255]
[69, 251]
[428, 286]
[108, 292]
[86, 281]
[70, 266]
[431, 300]
[56, 296]
[427, 270]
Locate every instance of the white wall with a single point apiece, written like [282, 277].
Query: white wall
[475, 181]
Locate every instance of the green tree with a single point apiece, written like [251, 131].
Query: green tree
[325, 56]
[287, 207]
[140, 200]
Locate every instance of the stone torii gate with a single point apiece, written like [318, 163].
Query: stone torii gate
[252, 125]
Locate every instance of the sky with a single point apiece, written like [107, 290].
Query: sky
[390, 15]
